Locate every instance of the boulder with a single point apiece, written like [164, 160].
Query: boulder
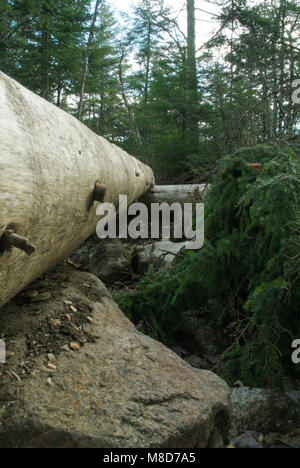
[249, 440]
[158, 254]
[110, 261]
[79, 375]
[262, 411]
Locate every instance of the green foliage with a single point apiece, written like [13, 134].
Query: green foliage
[102, 106]
[42, 47]
[179, 127]
[247, 276]
[253, 87]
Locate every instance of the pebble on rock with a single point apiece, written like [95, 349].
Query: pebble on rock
[75, 346]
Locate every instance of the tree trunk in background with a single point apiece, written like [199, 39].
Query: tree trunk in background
[220, 94]
[135, 129]
[87, 56]
[45, 59]
[148, 60]
[192, 193]
[291, 113]
[282, 56]
[191, 43]
[191, 81]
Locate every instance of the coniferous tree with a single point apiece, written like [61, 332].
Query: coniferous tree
[43, 49]
[103, 109]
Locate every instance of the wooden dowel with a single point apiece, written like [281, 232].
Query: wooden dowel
[11, 239]
[99, 192]
[256, 166]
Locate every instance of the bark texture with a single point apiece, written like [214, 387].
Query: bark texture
[49, 165]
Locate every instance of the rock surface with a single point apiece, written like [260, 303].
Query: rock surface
[197, 336]
[109, 261]
[249, 440]
[115, 388]
[262, 411]
[158, 254]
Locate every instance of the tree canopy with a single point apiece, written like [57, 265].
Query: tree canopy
[147, 87]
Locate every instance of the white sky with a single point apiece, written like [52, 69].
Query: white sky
[206, 23]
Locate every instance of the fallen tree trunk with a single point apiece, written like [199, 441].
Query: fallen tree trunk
[52, 169]
[176, 194]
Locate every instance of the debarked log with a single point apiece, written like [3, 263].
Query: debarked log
[54, 172]
[195, 193]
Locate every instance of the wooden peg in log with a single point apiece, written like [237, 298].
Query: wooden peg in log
[256, 166]
[14, 240]
[99, 192]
